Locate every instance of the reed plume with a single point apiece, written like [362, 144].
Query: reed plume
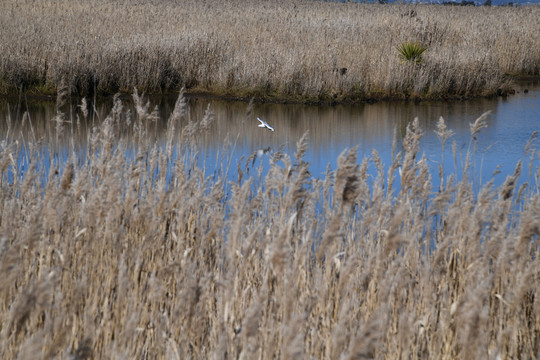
[128, 249]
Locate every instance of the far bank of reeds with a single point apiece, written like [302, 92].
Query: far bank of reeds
[281, 50]
[136, 254]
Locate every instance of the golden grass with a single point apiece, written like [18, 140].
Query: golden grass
[279, 50]
[103, 257]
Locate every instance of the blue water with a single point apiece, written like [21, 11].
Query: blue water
[457, 2]
[498, 147]
[234, 135]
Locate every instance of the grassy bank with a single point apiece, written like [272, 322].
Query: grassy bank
[280, 50]
[107, 256]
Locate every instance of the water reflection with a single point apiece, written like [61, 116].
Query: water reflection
[331, 128]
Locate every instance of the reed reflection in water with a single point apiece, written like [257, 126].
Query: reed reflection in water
[331, 129]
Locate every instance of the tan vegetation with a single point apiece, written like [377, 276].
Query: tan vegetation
[281, 50]
[106, 256]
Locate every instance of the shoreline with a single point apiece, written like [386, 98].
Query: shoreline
[231, 95]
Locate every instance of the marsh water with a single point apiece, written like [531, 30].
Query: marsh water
[331, 130]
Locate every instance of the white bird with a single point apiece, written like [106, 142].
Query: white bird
[264, 124]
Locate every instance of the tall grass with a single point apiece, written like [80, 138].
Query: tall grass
[280, 50]
[138, 254]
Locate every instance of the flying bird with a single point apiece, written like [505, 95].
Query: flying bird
[264, 124]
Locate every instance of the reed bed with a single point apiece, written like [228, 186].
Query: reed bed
[126, 249]
[280, 50]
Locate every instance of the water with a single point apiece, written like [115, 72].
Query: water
[332, 129]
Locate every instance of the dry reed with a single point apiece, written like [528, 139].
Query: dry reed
[281, 50]
[107, 256]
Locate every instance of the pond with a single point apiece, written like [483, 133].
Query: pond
[331, 130]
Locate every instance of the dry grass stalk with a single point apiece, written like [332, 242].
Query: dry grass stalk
[339, 51]
[111, 259]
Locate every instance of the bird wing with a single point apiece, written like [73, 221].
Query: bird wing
[265, 124]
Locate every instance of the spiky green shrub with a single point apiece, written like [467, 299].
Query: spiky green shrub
[411, 52]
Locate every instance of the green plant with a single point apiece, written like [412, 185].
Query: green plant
[411, 52]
